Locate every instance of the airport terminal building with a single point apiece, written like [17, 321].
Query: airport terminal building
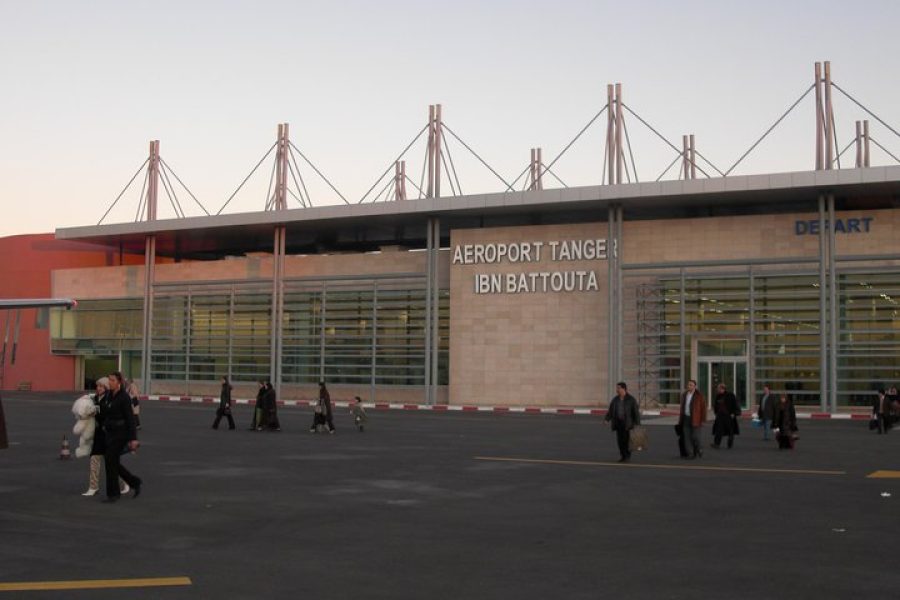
[535, 298]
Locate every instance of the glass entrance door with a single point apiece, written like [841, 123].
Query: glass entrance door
[723, 361]
[733, 373]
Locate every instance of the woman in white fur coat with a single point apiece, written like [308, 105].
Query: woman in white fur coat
[91, 439]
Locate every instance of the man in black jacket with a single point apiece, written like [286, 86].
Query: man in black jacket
[118, 427]
[727, 411]
[623, 415]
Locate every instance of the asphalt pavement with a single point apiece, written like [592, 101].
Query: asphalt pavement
[447, 505]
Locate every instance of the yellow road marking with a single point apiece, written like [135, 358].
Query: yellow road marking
[589, 463]
[93, 584]
[884, 475]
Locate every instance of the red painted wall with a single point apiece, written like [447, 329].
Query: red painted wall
[25, 265]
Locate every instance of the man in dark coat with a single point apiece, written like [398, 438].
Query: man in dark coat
[881, 410]
[224, 409]
[766, 411]
[623, 415]
[118, 428]
[727, 410]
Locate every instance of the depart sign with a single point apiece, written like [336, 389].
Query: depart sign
[850, 225]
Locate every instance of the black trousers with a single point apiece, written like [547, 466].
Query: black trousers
[115, 444]
[219, 414]
[725, 427]
[622, 437]
[884, 422]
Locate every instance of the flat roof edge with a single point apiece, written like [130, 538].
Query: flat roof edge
[630, 195]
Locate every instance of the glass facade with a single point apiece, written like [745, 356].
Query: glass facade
[868, 334]
[97, 327]
[355, 331]
[677, 322]
[718, 324]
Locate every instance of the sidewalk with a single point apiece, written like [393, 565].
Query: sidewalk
[531, 410]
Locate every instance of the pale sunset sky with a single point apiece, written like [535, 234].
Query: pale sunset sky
[86, 86]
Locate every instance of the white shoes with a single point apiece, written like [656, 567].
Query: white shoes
[93, 491]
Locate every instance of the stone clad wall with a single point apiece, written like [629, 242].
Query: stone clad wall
[527, 348]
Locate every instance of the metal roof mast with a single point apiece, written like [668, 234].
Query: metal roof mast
[438, 162]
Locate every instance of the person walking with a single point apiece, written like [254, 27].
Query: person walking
[785, 423]
[623, 415]
[224, 409]
[358, 411]
[121, 436]
[270, 408]
[881, 411]
[134, 393]
[692, 416]
[766, 411]
[98, 444]
[257, 416]
[323, 410]
[726, 410]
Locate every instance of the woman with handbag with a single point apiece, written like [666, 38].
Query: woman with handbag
[224, 409]
[323, 412]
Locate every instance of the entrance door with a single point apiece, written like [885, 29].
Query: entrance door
[723, 361]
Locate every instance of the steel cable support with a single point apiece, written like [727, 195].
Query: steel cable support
[671, 164]
[380, 193]
[663, 138]
[422, 178]
[630, 153]
[173, 202]
[177, 178]
[230, 198]
[299, 197]
[547, 170]
[446, 170]
[452, 166]
[270, 197]
[137, 215]
[130, 181]
[841, 153]
[871, 114]
[318, 172]
[165, 173]
[300, 177]
[176, 204]
[481, 160]
[390, 189]
[516, 180]
[575, 139]
[769, 130]
[296, 197]
[834, 134]
[888, 152]
[706, 160]
[414, 184]
[405, 150]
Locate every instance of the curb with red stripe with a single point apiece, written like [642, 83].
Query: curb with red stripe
[528, 410]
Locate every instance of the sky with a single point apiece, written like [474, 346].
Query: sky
[87, 85]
